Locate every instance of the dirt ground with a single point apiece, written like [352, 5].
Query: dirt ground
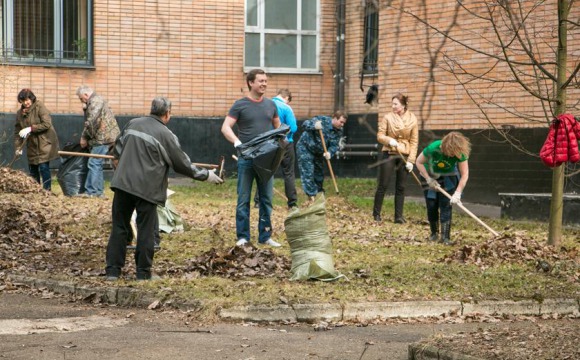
[535, 339]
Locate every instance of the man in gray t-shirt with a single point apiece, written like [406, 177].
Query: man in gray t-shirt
[254, 115]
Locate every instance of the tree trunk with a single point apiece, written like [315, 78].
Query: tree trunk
[557, 202]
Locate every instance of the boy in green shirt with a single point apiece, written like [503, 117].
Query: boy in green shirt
[443, 163]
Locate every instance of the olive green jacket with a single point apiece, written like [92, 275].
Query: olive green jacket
[42, 142]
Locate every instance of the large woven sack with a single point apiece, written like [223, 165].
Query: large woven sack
[310, 245]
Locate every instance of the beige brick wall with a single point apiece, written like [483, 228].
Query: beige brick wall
[405, 51]
[192, 52]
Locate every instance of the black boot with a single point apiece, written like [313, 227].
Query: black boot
[445, 233]
[434, 225]
[377, 206]
[399, 204]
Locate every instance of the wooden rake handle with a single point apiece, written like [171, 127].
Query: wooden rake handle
[441, 190]
[72, 153]
[328, 161]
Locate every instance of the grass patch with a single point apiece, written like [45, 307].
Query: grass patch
[383, 261]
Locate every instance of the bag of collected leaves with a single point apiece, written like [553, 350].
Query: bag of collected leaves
[72, 171]
[310, 244]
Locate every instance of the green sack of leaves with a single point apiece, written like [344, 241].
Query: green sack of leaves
[310, 244]
[169, 219]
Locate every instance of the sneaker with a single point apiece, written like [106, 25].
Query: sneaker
[272, 243]
[241, 242]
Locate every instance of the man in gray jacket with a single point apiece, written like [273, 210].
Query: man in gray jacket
[144, 153]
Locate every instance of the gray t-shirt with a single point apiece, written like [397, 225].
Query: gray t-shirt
[253, 117]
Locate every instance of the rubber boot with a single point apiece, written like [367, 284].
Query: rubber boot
[434, 231]
[399, 204]
[377, 206]
[445, 233]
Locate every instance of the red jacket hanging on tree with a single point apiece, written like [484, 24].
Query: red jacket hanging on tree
[561, 145]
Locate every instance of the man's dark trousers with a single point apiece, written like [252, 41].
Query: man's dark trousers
[124, 204]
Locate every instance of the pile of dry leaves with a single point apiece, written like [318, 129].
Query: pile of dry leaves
[16, 182]
[32, 238]
[514, 249]
[239, 262]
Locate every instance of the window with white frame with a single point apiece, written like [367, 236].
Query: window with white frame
[47, 32]
[282, 35]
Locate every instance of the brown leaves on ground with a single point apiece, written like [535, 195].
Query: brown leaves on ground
[554, 340]
[32, 238]
[512, 249]
[239, 261]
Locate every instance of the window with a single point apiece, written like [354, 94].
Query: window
[47, 32]
[282, 35]
[371, 38]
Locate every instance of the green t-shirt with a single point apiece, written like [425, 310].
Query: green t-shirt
[437, 162]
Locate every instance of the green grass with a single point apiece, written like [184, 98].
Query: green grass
[383, 262]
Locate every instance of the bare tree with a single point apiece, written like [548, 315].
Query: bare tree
[525, 44]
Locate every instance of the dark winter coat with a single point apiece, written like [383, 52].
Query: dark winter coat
[561, 145]
[147, 150]
[42, 143]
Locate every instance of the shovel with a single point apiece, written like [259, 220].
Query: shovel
[442, 191]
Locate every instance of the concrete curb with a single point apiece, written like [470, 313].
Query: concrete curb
[310, 313]
[422, 352]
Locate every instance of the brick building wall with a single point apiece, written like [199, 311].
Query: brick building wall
[190, 51]
[410, 62]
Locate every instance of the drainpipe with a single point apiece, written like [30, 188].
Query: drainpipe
[339, 77]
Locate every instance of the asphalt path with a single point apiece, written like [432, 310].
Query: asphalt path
[32, 327]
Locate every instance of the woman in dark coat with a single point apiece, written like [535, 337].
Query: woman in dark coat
[34, 126]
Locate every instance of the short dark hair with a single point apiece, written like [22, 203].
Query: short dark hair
[251, 76]
[26, 94]
[160, 106]
[285, 93]
[340, 113]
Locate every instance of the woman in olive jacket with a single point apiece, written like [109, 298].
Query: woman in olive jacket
[34, 126]
[399, 134]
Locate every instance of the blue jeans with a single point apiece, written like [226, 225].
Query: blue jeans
[246, 176]
[95, 183]
[41, 171]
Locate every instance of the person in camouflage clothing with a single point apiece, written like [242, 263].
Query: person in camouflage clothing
[311, 155]
[101, 130]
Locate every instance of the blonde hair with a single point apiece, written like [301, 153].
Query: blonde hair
[455, 144]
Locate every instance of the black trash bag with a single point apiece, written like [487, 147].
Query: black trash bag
[73, 170]
[266, 150]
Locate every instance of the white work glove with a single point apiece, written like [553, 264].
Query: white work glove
[24, 132]
[393, 143]
[18, 152]
[456, 198]
[326, 155]
[409, 166]
[213, 178]
[318, 125]
[237, 143]
[432, 183]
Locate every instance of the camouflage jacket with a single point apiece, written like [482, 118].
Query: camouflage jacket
[100, 124]
[310, 138]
